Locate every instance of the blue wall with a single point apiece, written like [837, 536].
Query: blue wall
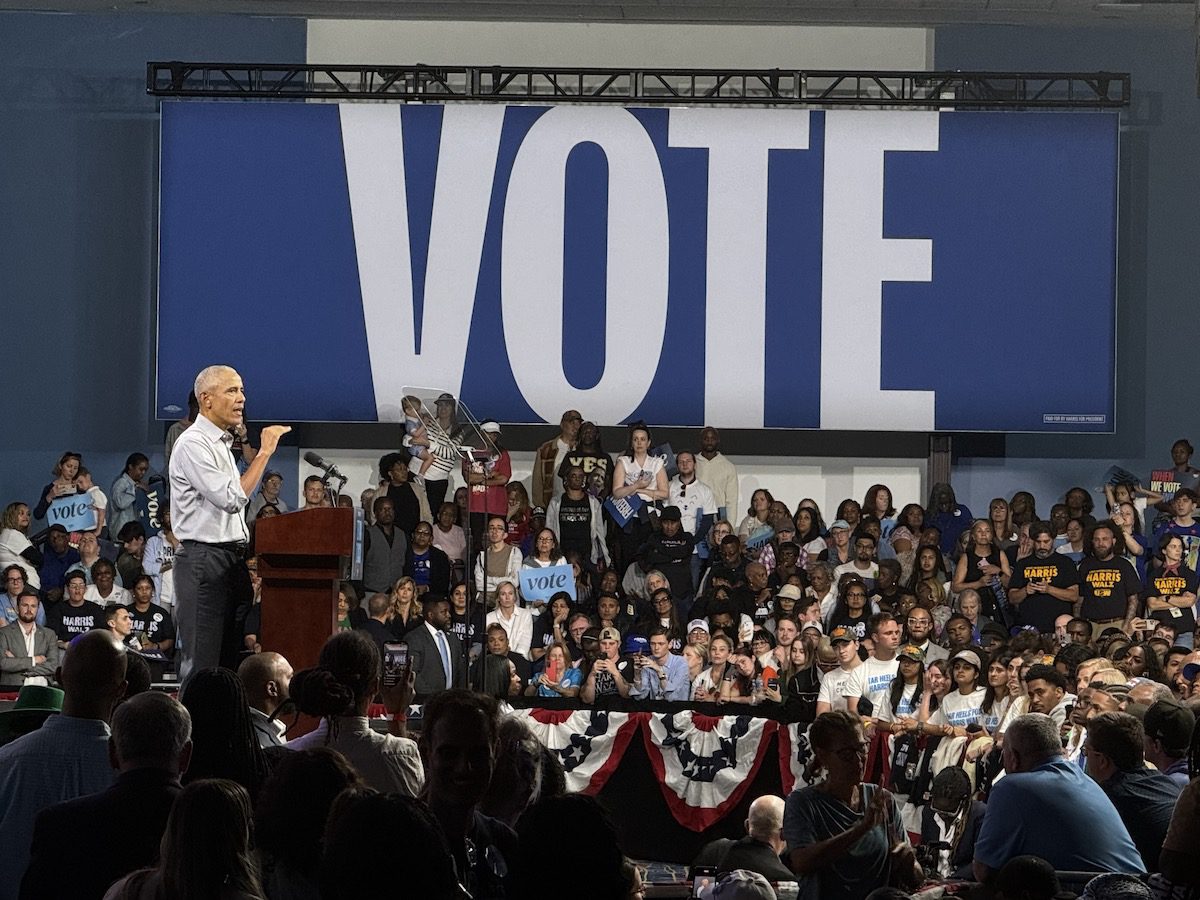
[1158, 265]
[78, 186]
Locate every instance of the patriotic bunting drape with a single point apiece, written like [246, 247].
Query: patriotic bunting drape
[704, 764]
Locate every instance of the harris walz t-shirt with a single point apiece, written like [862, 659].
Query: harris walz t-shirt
[1039, 610]
[1105, 587]
[1168, 585]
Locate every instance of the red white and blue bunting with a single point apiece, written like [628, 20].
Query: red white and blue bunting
[705, 763]
[588, 742]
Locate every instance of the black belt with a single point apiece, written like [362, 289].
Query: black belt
[231, 546]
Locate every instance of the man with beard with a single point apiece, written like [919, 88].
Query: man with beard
[1045, 585]
[1108, 583]
[715, 470]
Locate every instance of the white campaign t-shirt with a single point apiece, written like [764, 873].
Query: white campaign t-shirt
[873, 680]
[906, 708]
[960, 710]
[831, 687]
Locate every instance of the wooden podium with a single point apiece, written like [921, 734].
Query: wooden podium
[301, 558]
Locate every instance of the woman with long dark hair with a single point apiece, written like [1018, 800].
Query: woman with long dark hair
[338, 690]
[878, 503]
[928, 564]
[802, 682]
[852, 609]
[983, 568]
[224, 742]
[903, 700]
[637, 472]
[808, 531]
[205, 851]
[757, 515]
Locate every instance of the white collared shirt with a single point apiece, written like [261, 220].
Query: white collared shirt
[207, 500]
[29, 637]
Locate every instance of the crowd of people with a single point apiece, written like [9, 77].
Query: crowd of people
[974, 691]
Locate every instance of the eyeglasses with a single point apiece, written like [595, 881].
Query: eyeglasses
[849, 754]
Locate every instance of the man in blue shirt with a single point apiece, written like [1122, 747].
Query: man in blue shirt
[1144, 799]
[1045, 806]
[662, 675]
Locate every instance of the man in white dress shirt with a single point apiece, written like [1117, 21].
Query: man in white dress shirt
[208, 503]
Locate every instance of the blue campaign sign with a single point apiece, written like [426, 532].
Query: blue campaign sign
[752, 268]
[74, 513]
[544, 583]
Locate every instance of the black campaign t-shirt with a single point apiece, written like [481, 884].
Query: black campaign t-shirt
[589, 462]
[1105, 587]
[67, 621]
[1168, 585]
[156, 623]
[1039, 610]
[575, 525]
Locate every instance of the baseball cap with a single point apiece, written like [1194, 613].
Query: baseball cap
[1191, 669]
[491, 426]
[670, 514]
[994, 628]
[742, 884]
[820, 629]
[697, 623]
[609, 634]
[968, 656]
[57, 528]
[841, 634]
[537, 513]
[445, 398]
[840, 523]
[913, 652]
[789, 592]
[1170, 722]
[635, 643]
[591, 636]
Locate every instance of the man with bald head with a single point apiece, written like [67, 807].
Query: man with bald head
[266, 678]
[759, 850]
[68, 756]
[208, 506]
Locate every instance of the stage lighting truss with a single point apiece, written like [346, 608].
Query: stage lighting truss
[691, 87]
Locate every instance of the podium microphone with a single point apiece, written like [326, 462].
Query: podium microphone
[330, 470]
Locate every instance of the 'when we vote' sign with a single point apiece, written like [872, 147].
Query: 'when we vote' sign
[74, 513]
[542, 584]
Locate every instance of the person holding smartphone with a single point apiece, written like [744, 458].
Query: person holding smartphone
[603, 676]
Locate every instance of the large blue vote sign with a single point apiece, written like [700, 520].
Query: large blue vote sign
[749, 268]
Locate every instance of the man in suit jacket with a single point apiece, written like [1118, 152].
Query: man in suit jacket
[150, 748]
[27, 650]
[759, 850]
[426, 644]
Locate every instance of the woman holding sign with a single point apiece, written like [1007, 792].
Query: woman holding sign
[637, 472]
[545, 554]
[63, 484]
